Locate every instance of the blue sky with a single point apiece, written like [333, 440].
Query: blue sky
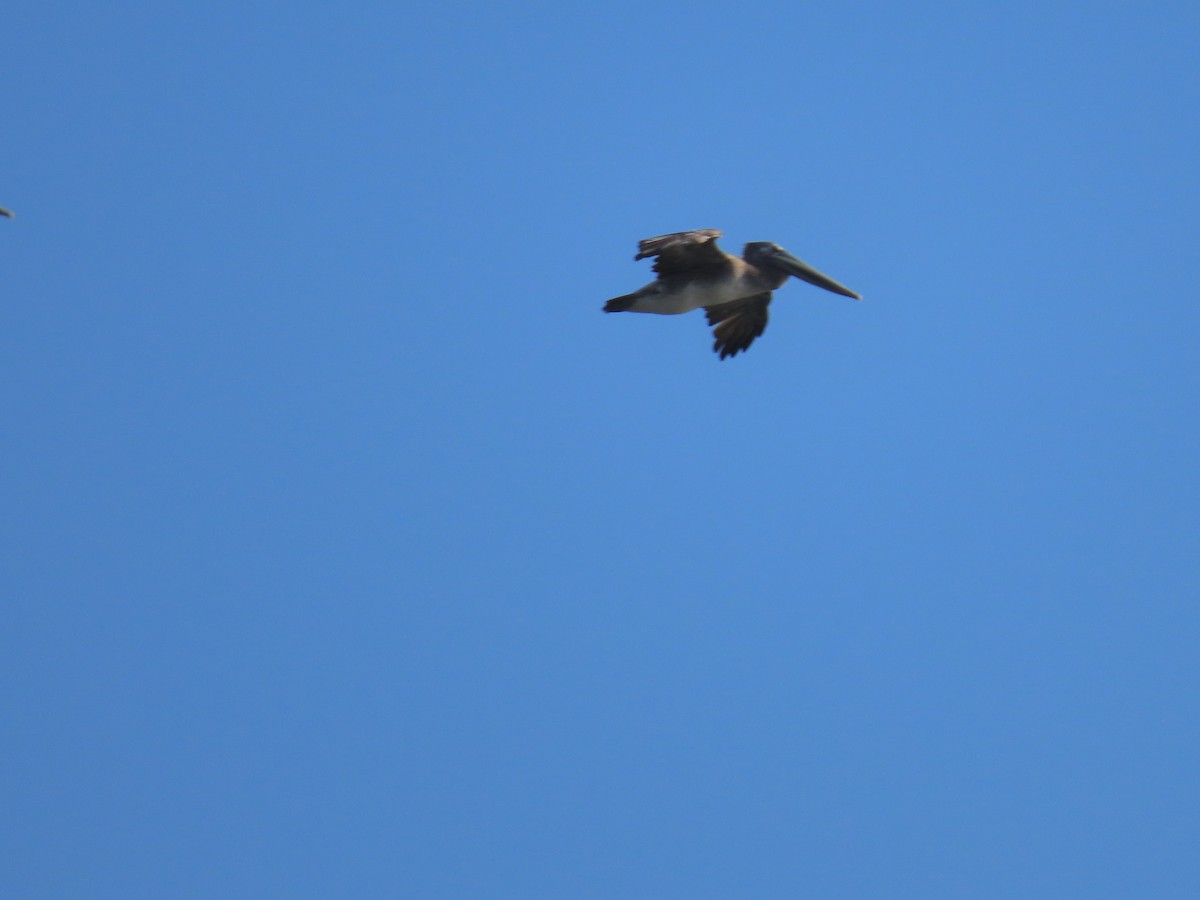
[350, 550]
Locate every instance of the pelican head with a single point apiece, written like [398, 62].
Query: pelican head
[767, 255]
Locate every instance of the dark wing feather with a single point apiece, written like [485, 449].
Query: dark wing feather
[684, 251]
[738, 323]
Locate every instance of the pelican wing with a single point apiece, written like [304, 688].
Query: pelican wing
[684, 251]
[738, 323]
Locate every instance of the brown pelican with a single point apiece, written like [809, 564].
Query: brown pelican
[694, 272]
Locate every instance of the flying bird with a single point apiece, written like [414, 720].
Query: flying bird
[693, 272]
[8, 213]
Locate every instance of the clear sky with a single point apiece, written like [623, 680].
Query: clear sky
[350, 550]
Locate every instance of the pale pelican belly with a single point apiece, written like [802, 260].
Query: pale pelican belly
[670, 301]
